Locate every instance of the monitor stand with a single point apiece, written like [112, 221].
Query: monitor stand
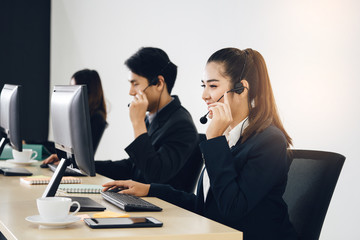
[54, 183]
[86, 204]
[3, 142]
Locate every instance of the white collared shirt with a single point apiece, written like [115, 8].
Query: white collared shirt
[232, 136]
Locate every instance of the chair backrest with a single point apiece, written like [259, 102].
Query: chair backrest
[198, 162]
[311, 182]
[191, 170]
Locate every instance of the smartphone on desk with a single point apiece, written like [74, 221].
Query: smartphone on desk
[129, 222]
[14, 171]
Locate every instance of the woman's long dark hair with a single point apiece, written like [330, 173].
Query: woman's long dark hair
[96, 99]
[262, 107]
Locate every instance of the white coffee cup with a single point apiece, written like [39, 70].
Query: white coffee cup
[25, 156]
[55, 209]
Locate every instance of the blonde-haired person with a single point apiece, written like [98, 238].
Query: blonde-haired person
[245, 154]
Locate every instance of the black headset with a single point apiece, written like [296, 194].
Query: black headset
[238, 88]
[154, 81]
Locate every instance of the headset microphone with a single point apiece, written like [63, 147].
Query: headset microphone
[239, 88]
[203, 119]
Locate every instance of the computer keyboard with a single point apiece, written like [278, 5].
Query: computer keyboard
[128, 202]
[68, 171]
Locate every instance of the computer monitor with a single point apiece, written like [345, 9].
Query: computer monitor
[72, 132]
[10, 117]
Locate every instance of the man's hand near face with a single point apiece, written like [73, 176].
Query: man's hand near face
[137, 112]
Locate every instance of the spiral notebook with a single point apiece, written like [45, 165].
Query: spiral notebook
[41, 179]
[80, 188]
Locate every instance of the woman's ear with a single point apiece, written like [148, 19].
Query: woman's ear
[245, 84]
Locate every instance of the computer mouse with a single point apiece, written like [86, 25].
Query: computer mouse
[44, 165]
[115, 190]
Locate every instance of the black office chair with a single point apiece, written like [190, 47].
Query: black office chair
[198, 164]
[191, 170]
[311, 182]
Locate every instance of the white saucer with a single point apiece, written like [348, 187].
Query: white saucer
[58, 224]
[21, 163]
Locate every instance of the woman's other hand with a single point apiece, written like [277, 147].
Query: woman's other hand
[53, 158]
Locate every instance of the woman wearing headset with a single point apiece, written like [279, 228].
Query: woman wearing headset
[245, 153]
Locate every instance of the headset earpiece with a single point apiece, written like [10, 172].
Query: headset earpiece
[154, 81]
[239, 88]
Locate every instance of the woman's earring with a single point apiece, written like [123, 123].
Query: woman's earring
[253, 103]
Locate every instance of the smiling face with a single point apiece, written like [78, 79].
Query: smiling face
[215, 84]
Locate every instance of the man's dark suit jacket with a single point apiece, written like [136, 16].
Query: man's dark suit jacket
[163, 154]
[246, 186]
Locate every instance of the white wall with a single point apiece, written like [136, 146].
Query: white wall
[311, 49]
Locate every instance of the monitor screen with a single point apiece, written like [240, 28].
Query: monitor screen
[71, 126]
[72, 132]
[10, 117]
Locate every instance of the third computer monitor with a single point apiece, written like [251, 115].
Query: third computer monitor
[10, 117]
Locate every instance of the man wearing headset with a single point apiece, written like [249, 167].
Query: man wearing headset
[165, 135]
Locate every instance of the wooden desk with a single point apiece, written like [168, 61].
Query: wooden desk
[18, 200]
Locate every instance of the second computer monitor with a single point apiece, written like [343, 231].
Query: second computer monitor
[71, 126]
[72, 133]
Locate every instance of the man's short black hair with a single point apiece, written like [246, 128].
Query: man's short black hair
[151, 62]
